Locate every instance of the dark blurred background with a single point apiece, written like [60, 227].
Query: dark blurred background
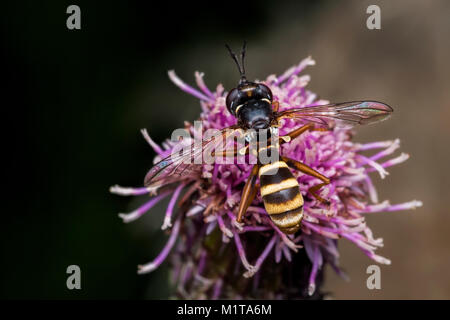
[74, 101]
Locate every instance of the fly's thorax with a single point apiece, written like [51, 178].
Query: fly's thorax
[264, 144]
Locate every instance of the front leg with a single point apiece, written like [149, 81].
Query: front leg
[295, 133]
[311, 172]
[275, 106]
[249, 193]
[225, 153]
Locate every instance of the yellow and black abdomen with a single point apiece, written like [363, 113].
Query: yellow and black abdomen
[281, 195]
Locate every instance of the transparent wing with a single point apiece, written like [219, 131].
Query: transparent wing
[187, 160]
[346, 114]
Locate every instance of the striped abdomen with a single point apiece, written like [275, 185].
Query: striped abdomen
[281, 195]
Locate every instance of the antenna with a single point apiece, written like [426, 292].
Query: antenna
[244, 47]
[240, 65]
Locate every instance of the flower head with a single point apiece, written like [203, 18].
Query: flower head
[214, 256]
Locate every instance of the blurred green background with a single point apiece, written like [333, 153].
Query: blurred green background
[75, 101]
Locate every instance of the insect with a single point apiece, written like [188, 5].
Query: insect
[253, 106]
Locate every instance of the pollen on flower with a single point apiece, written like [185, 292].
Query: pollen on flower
[214, 256]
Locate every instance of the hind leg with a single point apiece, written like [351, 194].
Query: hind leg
[249, 193]
[311, 172]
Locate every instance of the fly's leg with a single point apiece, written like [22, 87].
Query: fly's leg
[295, 133]
[249, 193]
[275, 106]
[311, 172]
[225, 153]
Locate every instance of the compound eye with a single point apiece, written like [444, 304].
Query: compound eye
[231, 99]
[265, 92]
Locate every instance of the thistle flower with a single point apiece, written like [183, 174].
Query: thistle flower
[213, 256]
